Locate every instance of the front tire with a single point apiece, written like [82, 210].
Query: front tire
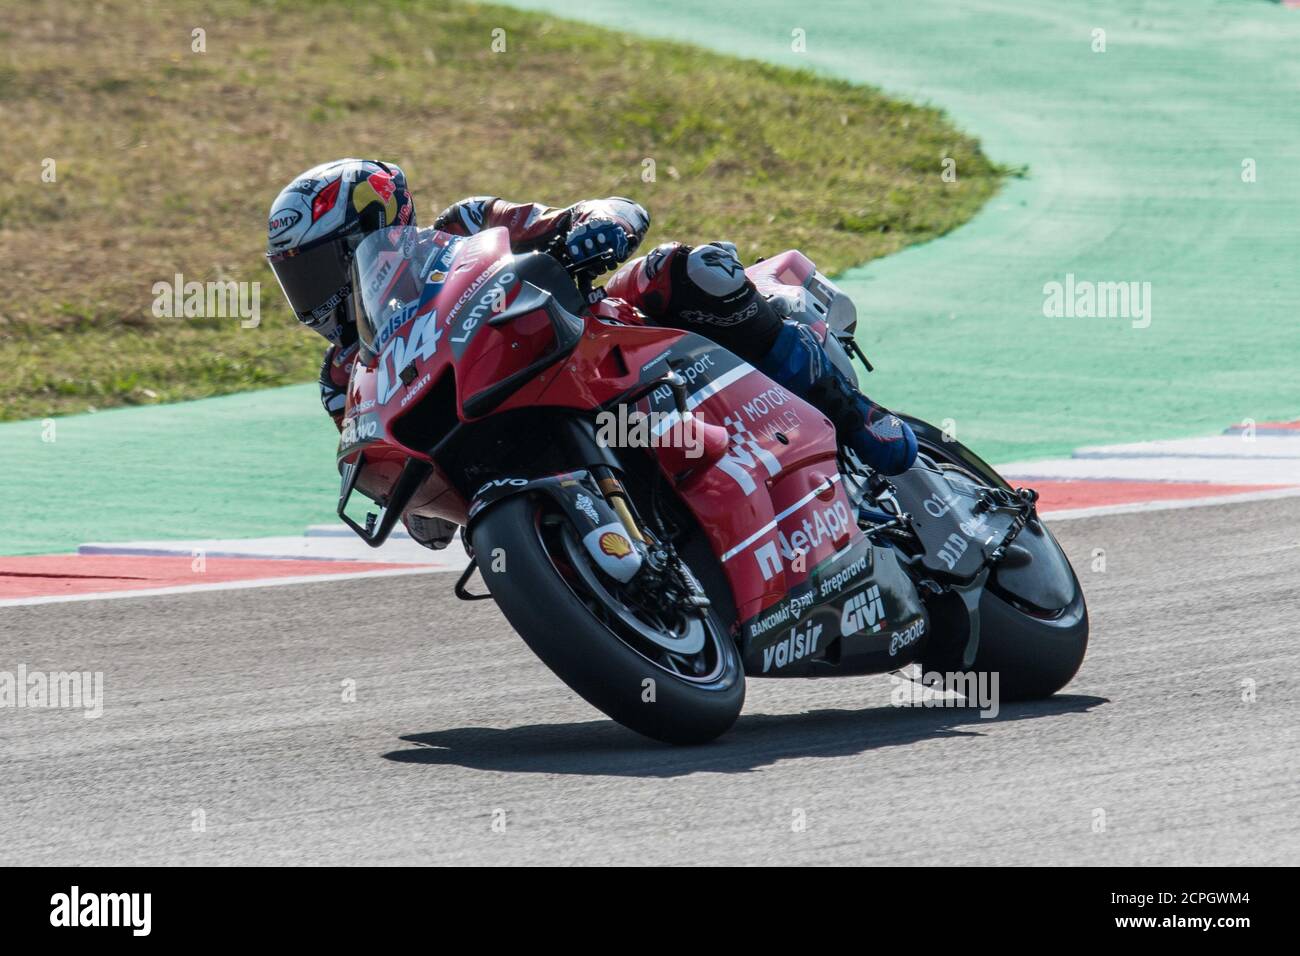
[566, 625]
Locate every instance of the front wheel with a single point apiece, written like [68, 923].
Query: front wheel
[670, 673]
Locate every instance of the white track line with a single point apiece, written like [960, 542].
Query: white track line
[1173, 504]
[308, 547]
[219, 586]
[1263, 446]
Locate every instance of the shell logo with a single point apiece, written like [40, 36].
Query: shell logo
[615, 545]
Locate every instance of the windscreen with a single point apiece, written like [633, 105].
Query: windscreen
[390, 269]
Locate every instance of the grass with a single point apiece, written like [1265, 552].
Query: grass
[166, 161]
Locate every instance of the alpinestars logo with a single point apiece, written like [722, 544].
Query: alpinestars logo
[716, 258]
[796, 646]
[865, 611]
[722, 321]
[655, 261]
[473, 213]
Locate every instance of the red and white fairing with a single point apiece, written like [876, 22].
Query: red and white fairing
[769, 496]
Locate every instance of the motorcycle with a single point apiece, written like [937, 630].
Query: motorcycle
[725, 535]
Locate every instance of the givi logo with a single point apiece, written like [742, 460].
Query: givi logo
[863, 611]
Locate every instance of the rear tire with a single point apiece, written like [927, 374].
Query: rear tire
[590, 657]
[1033, 627]
[1034, 657]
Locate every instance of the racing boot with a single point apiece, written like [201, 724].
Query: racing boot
[879, 438]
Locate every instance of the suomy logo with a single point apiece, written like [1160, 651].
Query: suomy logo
[281, 222]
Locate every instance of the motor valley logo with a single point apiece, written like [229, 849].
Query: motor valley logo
[864, 611]
[745, 456]
[771, 413]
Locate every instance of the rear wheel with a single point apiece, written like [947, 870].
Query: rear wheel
[1033, 618]
[663, 669]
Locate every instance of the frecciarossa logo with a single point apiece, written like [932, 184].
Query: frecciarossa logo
[490, 299]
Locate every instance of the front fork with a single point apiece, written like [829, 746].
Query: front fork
[600, 460]
[605, 466]
[661, 558]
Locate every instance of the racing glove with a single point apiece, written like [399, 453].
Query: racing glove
[597, 245]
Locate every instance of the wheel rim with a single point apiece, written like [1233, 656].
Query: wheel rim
[689, 645]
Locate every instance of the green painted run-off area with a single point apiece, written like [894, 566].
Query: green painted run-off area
[1135, 160]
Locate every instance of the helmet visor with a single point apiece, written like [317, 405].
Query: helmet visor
[314, 280]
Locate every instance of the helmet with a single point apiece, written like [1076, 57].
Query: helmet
[316, 223]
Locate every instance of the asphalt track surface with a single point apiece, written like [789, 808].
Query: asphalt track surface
[230, 703]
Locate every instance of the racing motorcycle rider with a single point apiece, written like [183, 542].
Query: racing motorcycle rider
[318, 219]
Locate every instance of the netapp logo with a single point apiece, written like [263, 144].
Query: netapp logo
[102, 909]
